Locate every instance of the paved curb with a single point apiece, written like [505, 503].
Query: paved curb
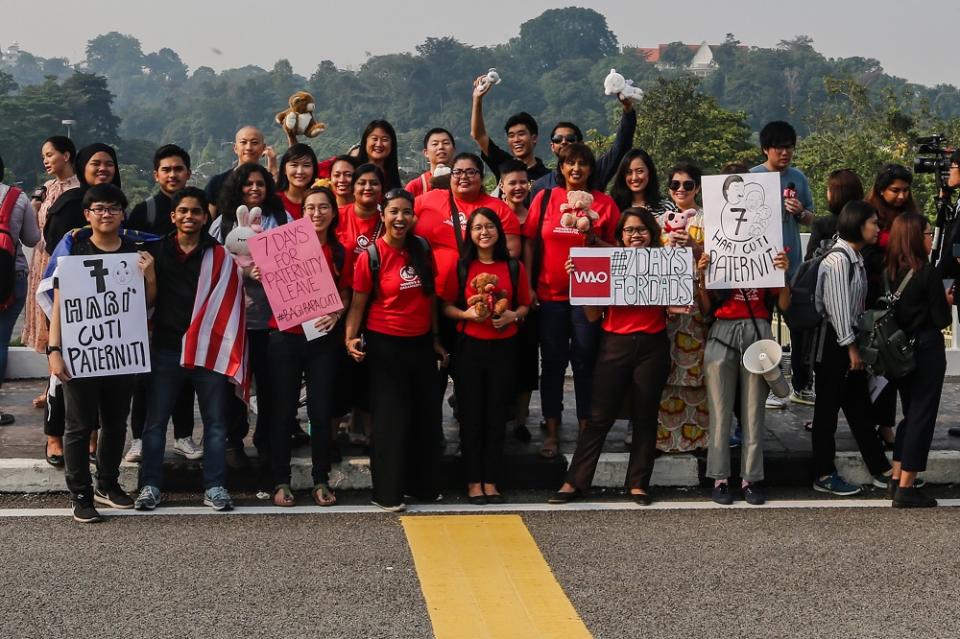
[36, 476]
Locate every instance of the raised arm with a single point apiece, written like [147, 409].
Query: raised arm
[608, 162]
[478, 130]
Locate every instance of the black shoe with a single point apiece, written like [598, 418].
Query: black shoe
[54, 460]
[83, 510]
[564, 497]
[954, 431]
[478, 500]
[496, 498]
[237, 459]
[892, 485]
[913, 497]
[522, 433]
[753, 494]
[641, 499]
[722, 495]
[6, 419]
[113, 496]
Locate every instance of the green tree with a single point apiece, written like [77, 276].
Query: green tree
[114, 55]
[677, 55]
[557, 34]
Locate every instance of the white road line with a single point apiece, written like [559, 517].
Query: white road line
[192, 511]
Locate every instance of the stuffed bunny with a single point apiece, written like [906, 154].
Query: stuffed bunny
[615, 84]
[248, 225]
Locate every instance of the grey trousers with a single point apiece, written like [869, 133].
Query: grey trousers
[724, 372]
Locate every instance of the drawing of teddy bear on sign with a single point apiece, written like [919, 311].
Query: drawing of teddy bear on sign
[742, 218]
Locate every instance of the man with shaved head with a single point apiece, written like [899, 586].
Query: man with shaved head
[249, 146]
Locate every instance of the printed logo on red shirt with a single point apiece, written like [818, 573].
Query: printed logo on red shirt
[591, 277]
[409, 277]
[363, 241]
[463, 220]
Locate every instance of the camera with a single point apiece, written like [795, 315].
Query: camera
[933, 156]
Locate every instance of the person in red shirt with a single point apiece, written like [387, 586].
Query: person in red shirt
[438, 148]
[395, 305]
[298, 171]
[566, 335]
[486, 355]
[292, 357]
[378, 146]
[342, 169]
[633, 361]
[742, 317]
[360, 222]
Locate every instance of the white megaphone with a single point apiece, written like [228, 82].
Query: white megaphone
[763, 358]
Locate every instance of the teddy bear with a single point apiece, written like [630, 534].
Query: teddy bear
[615, 84]
[576, 211]
[676, 221]
[490, 79]
[488, 300]
[298, 118]
[248, 225]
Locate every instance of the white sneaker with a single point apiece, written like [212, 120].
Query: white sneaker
[775, 402]
[135, 454]
[806, 397]
[186, 447]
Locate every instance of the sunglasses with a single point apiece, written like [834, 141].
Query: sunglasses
[570, 137]
[688, 185]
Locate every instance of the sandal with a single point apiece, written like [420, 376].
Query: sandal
[323, 496]
[283, 496]
[550, 448]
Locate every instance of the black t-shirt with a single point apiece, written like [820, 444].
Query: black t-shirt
[138, 219]
[215, 185]
[177, 276]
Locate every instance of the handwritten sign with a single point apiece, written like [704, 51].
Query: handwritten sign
[624, 276]
[743, 230]
[103, 315]
[294, 273]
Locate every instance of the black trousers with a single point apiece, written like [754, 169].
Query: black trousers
[486, 373]
[800, 367]
[528, 354]
[628, 367]
[292, 358]
[237, 421]
[86, 400]
[182, 412]
[405, 405]
[838, 388]
[920, 393]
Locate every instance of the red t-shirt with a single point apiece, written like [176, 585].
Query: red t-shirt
[435, 224]
[735, 307]
[554, 282]
[343, 278]
[625, 320]
[415, 186]
[355, 233]
[485, 329]
[293, 208]
[399, 306]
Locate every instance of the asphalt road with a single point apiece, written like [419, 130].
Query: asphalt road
[840, 572]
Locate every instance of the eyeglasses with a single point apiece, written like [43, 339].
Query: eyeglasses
[470, 173]
[569, 137]
[636, 230]
[313, 209]
[100, 211]
[479, 228]
[688, 185]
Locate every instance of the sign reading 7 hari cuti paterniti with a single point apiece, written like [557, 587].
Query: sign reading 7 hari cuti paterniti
[624, 276]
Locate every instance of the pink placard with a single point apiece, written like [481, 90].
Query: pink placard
[294, 273]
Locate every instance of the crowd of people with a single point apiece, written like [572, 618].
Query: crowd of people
[409, 260]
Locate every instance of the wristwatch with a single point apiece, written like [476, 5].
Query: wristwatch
[53, 349]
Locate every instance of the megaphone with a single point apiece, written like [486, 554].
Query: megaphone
[763, 358]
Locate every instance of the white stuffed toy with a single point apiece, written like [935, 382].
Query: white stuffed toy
[616, 84]
[490, 79]
[248, 225]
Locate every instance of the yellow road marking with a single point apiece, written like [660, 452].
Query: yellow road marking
[483, 576]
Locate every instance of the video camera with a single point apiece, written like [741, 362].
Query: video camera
[933, 156]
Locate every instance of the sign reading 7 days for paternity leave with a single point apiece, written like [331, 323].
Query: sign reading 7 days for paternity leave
[294, 273]
[103, 315]
[623, 276]
[743, 230]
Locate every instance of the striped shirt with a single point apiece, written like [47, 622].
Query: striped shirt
[840, 296]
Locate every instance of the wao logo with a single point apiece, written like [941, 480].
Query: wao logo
[590, 277]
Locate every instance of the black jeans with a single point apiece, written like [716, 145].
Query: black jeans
[632, 368]
[920, 393]
[838, 388]
[86, 400]
[182, 411]
[486, 371]
[238, 424]
[405, 405]
[292, 358]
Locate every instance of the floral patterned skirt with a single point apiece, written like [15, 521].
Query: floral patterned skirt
[683, 405]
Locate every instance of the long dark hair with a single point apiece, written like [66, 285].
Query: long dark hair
[649, 220]
[888, 174]
[843, 185]
[296, 152]
[231, 196]
[622, 194]
[500, 252]
[906, 248]
[391, 166]
[418, 254]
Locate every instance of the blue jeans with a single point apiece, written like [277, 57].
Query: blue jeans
[566, 336]
[8, 319]
[213, 389]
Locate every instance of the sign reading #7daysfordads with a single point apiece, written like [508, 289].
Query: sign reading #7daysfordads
[743, 230]
[294, 273]
[103, 315]
[623, 276]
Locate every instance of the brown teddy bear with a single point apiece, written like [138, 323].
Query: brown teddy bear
[298, 118]
[488, 300]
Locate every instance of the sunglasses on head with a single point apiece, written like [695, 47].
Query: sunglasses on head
[569, 137]
[688, 185]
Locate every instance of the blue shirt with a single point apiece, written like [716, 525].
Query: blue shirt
[791, 228]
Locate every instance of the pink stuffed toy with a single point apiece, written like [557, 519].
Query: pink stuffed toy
[576, 211]
[676, 221]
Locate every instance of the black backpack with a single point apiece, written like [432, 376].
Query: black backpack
[8, 248]
[884, 347]
[803, 314]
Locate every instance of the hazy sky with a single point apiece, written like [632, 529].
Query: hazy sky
[917, 41]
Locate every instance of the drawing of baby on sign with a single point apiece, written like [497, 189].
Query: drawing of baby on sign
[743, 232]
